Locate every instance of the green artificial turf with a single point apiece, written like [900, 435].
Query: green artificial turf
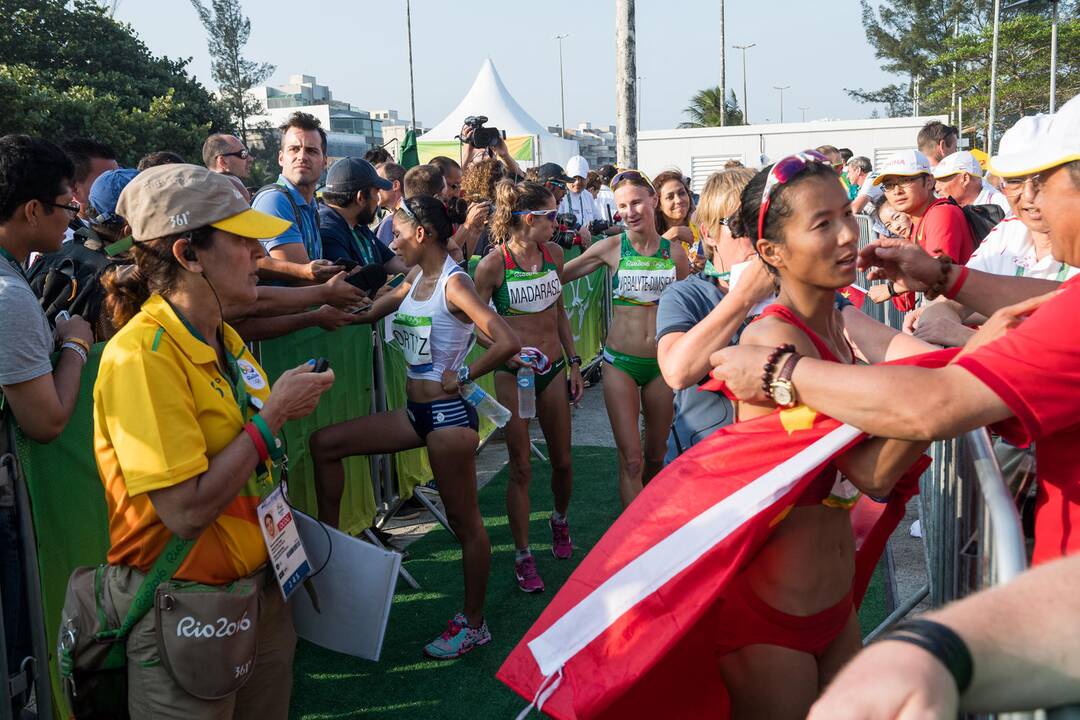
[404, 684]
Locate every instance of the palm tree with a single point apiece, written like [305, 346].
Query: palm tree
[706, 106]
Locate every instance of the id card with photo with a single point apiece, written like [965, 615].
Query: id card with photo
[283, 544]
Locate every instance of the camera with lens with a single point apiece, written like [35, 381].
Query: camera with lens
[566, 230]
[481, 137]
[457, 208]
[599, 227]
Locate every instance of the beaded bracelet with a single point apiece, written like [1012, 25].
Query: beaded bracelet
[770, 365]
[938, 288]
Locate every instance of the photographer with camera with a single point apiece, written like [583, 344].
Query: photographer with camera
[485, 142]
[568, 231]
[578, 201]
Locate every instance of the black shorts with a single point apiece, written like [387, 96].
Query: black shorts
[452, 412]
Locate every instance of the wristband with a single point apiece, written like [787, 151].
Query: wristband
[260, 444]
[78, 341]
[273, 445]
[75, 348]
[941, 642]
[575, 360]
[952, 292]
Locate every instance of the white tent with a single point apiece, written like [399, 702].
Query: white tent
[489, 97]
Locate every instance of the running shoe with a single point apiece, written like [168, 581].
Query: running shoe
[527, 578]
[561, 547]
[458, 639]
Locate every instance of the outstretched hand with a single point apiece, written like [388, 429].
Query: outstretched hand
[902, 262]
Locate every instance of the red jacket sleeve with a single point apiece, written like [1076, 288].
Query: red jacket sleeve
[945, 231]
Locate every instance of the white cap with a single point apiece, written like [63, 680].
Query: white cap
[956, 163]
[905, 163]
[577, 166]
[1028, 147]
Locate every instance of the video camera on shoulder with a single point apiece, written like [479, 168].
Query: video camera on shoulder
[481, 137]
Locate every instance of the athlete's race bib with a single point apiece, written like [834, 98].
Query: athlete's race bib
[413, 334]
[643, 279]
[532, 292]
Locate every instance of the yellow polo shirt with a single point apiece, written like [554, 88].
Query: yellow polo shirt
[162, 408]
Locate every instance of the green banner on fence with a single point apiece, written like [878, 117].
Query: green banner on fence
[349, 352]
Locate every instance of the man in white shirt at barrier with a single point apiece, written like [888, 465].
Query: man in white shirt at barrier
[605, 198]
[960, 177]
[578, 200]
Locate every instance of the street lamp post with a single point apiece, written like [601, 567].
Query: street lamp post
[562, 93]
[992, 115]
[803, 110]
[640, 92]
[745, 99]
[781, 88]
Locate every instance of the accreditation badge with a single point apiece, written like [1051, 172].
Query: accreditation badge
[283, 543]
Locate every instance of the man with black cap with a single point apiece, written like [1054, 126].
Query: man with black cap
[351, 198]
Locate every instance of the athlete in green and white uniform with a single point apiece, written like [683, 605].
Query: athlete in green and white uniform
[643, 265]
[521, 277]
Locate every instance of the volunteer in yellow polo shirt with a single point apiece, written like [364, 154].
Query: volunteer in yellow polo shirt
[185, 426]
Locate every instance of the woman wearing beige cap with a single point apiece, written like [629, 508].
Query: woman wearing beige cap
[184, 434]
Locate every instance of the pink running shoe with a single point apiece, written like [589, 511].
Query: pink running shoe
[528, 579]
[561, 547]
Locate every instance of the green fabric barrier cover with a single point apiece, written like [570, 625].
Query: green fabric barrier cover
[350, 354]
[71, 524]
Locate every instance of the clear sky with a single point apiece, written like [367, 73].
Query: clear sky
[358, 48]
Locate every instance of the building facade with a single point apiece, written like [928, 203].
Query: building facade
[596, 145]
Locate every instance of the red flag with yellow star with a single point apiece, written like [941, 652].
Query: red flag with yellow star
[630, 633]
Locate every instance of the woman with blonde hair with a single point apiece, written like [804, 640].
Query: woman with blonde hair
[703, 313]
[521, 277]
[643, 266]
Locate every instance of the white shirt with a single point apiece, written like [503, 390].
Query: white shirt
[869, 189]
[605, 203]
[990, 195]
[1009, 250]
[582, 205]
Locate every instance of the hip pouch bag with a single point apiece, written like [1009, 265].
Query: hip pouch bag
[207, 635]
[91, 643]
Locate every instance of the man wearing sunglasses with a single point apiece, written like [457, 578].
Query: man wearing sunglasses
[226, 154]
[940, 226]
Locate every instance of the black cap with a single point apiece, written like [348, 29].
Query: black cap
[552, 171]
[350, 174]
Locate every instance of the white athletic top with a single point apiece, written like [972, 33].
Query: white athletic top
[1009, 250]
[432, 339]
[990, 195]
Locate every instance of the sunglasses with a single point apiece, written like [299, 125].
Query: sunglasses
[407, 210]
[629, 174]
[549, 214]
[72, 208]
[242, 154]
[782, 172]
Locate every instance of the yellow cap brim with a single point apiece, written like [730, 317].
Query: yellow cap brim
[253, 224]
[881, 178]
[1022, 164]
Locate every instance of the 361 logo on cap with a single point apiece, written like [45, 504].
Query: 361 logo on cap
[180, 219]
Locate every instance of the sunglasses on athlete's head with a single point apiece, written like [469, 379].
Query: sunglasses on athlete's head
[549, 214]
[629, 174]
[783, 172]
[242, 154]
[407, 210]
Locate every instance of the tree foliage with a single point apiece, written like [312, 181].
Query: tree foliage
[227, 31]
[706, 107]
[945, 47]
[68, 69]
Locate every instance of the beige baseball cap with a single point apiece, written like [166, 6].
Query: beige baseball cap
[171, 199]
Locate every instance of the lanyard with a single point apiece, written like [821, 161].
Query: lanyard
[4, 253]
[236, 378]
[1061, 273]
[363, 247]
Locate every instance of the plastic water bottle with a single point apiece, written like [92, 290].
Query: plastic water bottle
[526, 383]
[486, 405]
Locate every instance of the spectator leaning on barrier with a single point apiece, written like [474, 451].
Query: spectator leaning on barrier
[36, 205]
[351, 195]
[302, 157]
[940, 226]
[184, 426]
[389, 200]
[936, 140]
[960, 177]
[224, 153]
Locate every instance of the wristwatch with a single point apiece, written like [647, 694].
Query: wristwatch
[463, 374]
[575, 360]
[781, 389]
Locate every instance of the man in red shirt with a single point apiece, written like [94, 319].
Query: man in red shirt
[940, 226]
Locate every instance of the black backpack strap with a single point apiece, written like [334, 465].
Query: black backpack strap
[274, 187]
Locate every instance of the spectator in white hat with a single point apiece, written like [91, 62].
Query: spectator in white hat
[940, 227]
[960, 177]
[578, 200]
